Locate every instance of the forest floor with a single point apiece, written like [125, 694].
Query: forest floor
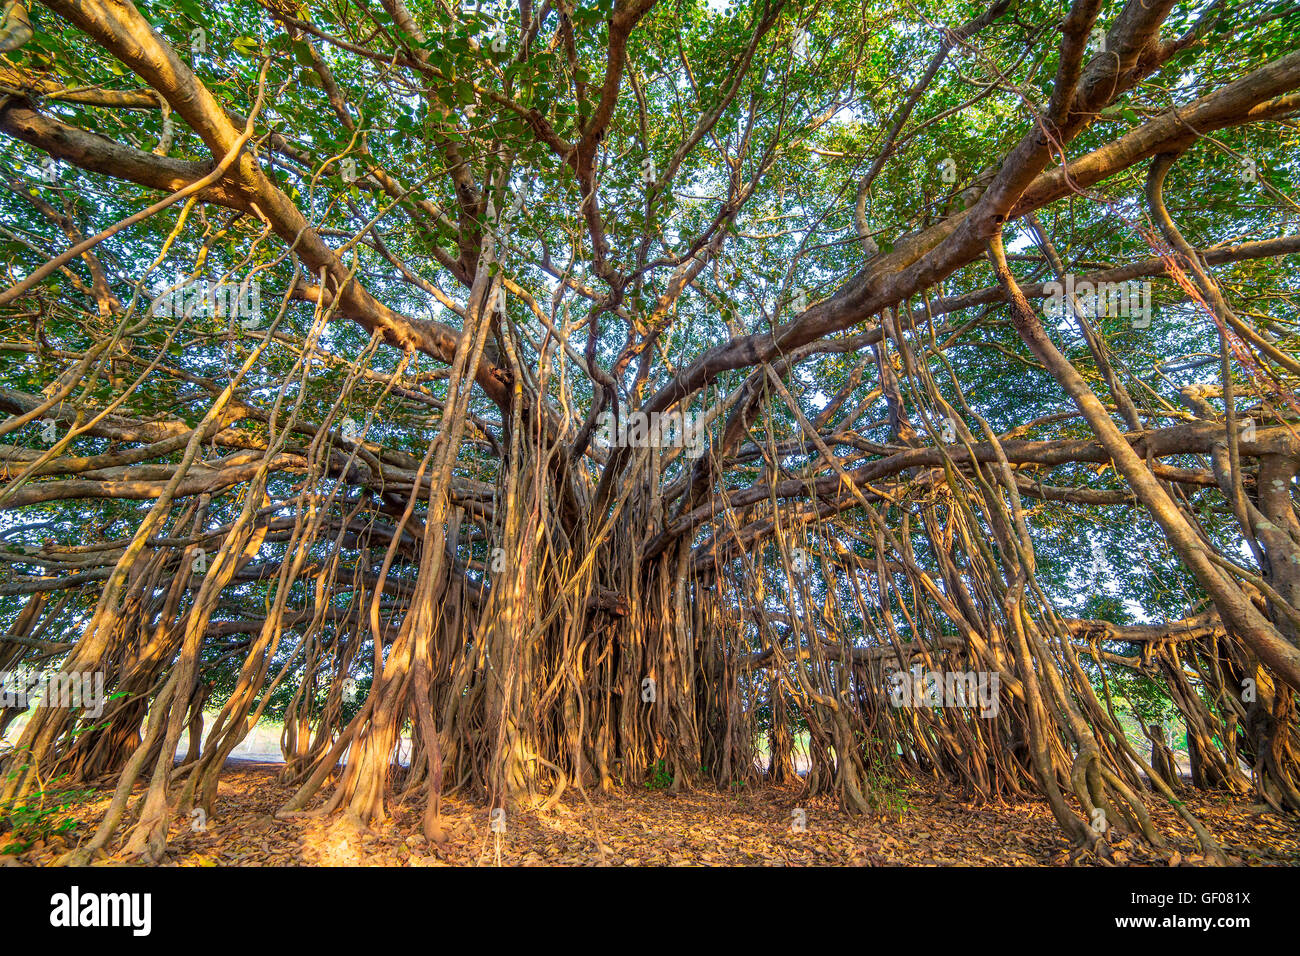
[657, 828]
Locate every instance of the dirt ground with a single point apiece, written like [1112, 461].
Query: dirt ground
[656, 828]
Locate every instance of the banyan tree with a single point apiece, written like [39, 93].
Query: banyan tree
[518, 400]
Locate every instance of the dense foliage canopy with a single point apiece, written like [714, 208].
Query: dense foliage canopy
[576, 389]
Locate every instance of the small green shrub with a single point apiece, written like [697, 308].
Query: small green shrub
[38, 815]
[659, 777]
